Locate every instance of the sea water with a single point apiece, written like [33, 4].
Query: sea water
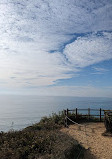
[18, 112]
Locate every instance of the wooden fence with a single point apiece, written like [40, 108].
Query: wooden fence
[88, 114]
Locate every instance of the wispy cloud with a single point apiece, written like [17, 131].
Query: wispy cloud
[44, 41]
[99, 70]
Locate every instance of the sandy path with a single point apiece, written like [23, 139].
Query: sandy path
[100, 146]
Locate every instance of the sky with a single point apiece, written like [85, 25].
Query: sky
[56, 47]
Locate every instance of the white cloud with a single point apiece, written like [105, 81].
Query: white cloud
[37, 69]
[89, 50]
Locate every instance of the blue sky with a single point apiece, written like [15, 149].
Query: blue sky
[56, 47]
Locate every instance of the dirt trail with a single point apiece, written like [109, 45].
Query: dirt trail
[100, 146]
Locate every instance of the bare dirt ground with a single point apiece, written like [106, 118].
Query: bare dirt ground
[90, 137]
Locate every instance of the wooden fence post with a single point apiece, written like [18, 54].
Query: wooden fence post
[76, 113]
[65, 118]
[89, 113]
[67, 112]
[100, 114]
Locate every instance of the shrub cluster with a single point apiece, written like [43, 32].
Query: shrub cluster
[55, 121]
[39, 141]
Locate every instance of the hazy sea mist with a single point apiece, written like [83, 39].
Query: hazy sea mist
[18, 112]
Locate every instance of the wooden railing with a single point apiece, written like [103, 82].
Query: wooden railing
[89, 112]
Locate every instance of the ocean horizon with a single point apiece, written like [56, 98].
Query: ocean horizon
[20, 111]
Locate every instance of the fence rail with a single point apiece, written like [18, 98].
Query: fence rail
[100, 113]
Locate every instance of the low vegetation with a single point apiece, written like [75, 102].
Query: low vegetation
[108, 121]
[40, 141]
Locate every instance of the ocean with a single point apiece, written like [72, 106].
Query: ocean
[18, 112]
